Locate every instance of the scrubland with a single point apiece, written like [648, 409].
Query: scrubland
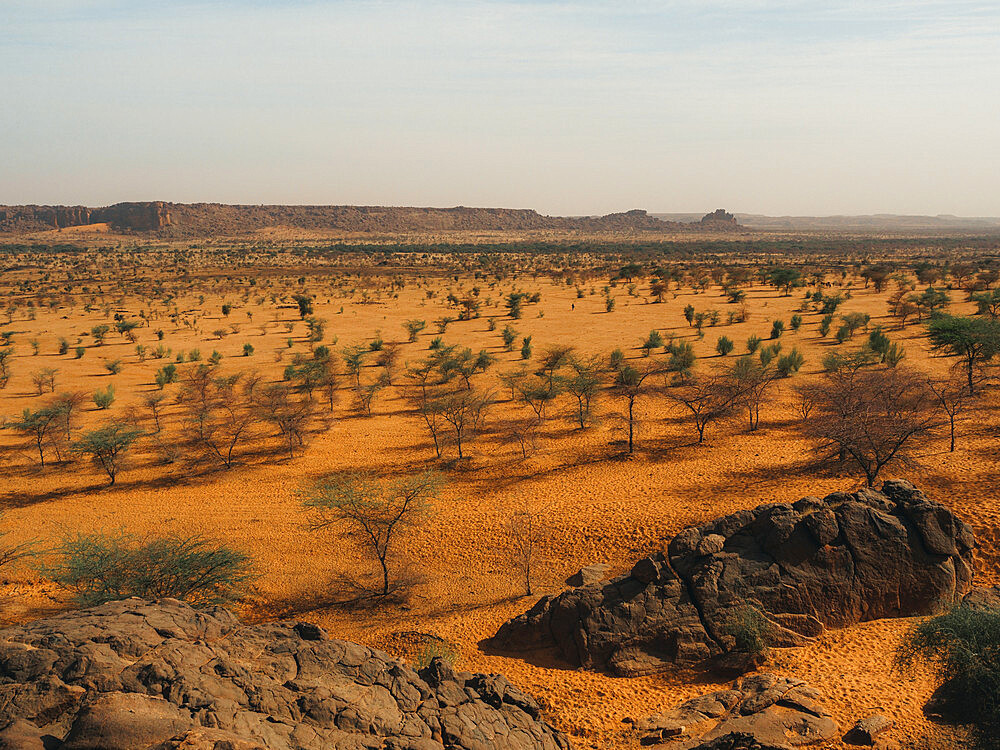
[216, 311]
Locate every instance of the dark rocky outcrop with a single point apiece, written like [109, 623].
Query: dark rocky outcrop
[763, 711]
[720, 218]
[132, 674]
[207, 219]
[835, 561]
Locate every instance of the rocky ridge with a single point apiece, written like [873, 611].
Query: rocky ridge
[168, 220]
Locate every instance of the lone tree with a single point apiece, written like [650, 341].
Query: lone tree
[974, 340]
[373, 512]
[630, 384]
[524, 530]
[707, 398]
[953, 396]
[869, 417]
[107, 446]
[305, 305]
[751, 380]
[37, 425]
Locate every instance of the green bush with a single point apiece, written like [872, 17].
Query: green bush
[963, 647]
[789, 364]
[824, 325]
[526, 347]
[777, 328]
[796, 322]
[99, 568]
[752, 343]
[437, 648]
[749, 629]
[724, 345]
[653, 341]
[104, 399]
[617, 359]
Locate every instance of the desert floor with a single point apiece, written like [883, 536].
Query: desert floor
[597, 505]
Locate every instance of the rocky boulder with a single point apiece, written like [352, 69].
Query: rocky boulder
[807, 565]
[162, 676]
[763, 711]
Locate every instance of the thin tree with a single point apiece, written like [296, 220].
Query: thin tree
[524, 530]
[37, 425]
[107, 446]
[373, 512]
[708, 399]
[630, 384]
[953, 396]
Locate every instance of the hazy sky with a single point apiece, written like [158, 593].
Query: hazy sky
[568, 107]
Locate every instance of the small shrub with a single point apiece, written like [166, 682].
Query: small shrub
[526, 347]
[749, 629]
[789, 364]
[796, 322]
[617, 359]
[99, 568]
[724, 345]
[79, 352]
[777, 328]
[752, 343]
[113, 366]
[104, 399]
[436, 649]
[963, 648]
[653, 341]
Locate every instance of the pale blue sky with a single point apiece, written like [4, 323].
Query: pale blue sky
[791, 106]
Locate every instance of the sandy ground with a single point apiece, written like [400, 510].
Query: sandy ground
[598, 506]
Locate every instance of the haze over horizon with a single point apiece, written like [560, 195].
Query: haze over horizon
[570, 108]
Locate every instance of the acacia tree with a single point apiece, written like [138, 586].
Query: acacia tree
[952, 395]
[524, 531]
[751, 379]
[275, 405]
[584, 384]
[107, 446]
[869, 417]
[708, 399]
[37, 426]
[631, 383]
[372, 512]
[974, 340]
[219, 414]
[464, 413]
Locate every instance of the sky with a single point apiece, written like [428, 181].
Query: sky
[566, 106]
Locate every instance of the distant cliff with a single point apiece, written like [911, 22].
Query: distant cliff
[207, 219]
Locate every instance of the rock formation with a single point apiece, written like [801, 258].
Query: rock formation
[763, 711]
[720, 218]
[207, 219]
[132, 674]
[806, 565]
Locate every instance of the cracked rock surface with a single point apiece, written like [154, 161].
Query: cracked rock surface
[763, 712]
[807, 565]
[132, 674]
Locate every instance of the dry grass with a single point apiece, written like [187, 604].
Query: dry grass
[599, 507]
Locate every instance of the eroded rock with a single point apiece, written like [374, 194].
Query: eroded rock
[132, 674]
[815, 563]
[762, 712]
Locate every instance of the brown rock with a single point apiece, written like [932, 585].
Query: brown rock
[806, 566]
